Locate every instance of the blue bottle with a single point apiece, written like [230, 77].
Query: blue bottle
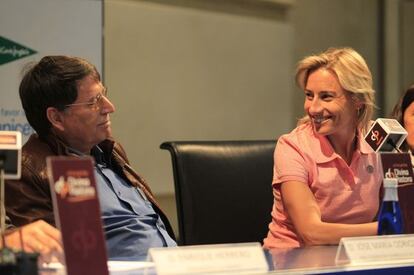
[390, 219]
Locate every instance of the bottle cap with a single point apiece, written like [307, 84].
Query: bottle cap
[390, 182]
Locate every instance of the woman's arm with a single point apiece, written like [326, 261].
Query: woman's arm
[300, 204]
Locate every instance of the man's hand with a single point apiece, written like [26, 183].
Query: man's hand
[38, 237]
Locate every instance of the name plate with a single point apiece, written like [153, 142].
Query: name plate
[209, 258]
[384, 249]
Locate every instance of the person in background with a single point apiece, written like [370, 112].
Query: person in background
[68, 106]
[403, 111]
[326, 178]
[38, 237]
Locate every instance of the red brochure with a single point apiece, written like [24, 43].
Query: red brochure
[399, 165]
[77, 214]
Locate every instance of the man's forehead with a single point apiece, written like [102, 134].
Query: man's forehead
[90, 85]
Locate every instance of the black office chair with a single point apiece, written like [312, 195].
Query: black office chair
[222, 189]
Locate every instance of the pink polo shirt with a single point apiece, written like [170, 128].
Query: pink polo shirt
[345, 194]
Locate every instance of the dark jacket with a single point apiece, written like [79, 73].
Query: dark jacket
[29, 199]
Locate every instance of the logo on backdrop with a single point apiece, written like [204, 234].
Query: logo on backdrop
[11, 51]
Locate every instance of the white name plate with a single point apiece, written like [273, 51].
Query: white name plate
[387, 248]
[209, 259]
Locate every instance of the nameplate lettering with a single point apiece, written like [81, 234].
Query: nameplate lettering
[381, 249]
[209, 258]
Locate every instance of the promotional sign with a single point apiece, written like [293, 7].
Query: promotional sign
[398, 165]
[77, 214]
[30, 30]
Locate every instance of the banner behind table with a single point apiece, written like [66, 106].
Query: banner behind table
[30, 30]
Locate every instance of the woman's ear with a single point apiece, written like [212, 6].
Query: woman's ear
[55, 117]
[359, 105]
[357, 102]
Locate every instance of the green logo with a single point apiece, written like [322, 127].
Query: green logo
[11, 51]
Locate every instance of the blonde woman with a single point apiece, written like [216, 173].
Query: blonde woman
[326, 179]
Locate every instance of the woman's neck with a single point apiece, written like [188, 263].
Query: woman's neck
[344, 146]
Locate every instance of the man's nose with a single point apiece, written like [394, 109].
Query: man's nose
[107, 106]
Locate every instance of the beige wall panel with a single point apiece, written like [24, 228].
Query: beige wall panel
[180, 73]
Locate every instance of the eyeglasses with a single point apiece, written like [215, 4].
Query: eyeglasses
[95, 103]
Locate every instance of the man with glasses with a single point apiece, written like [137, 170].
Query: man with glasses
[67, 105]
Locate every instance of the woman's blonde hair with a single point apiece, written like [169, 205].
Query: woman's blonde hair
[353, 74]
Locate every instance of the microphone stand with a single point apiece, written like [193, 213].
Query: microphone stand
[393, 145]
